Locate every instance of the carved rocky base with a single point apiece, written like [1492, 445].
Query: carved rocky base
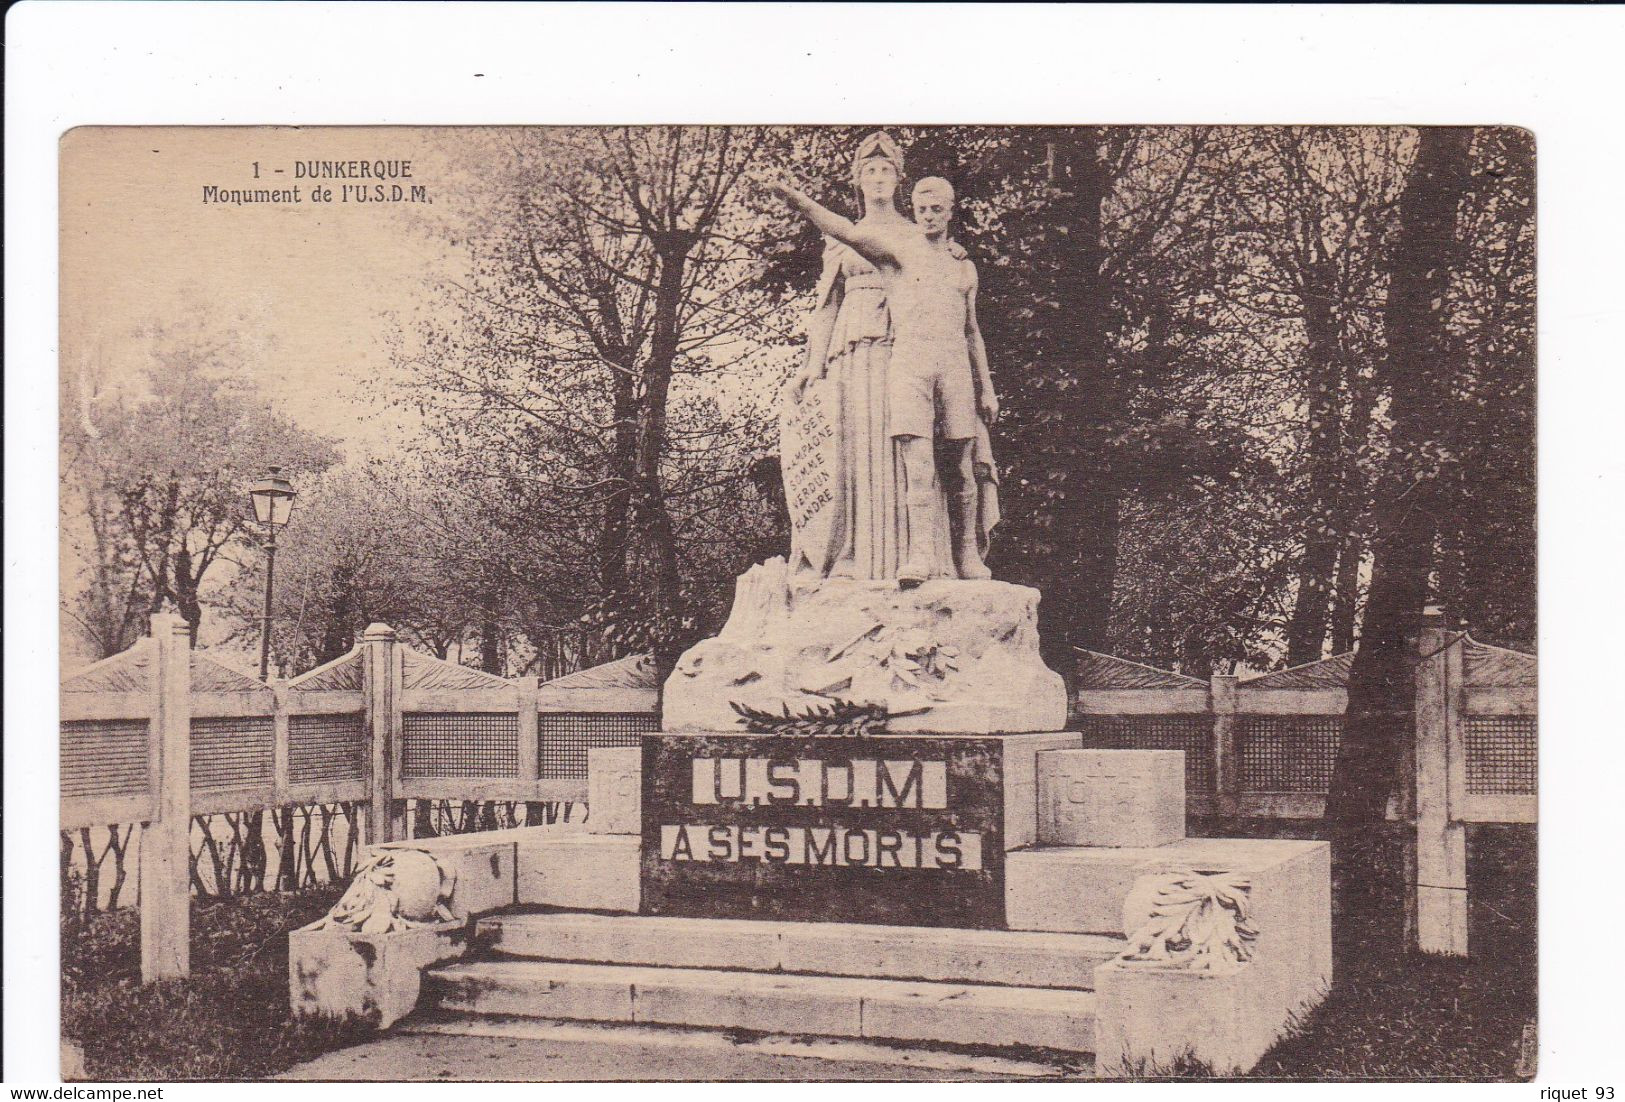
[955, 656]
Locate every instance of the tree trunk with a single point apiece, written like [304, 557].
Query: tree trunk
[93, 872]
[254, 857]
[1083, 540]
[1323, 450]
[423, 819]
[1096, 570]
[613, 541]
[287, 869]
[1352, 503]
[1346, 596]
[1376, 754]
[119, 845]
[654, 519]
[185, 592]
[491, 647]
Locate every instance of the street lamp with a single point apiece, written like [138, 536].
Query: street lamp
[273, 503]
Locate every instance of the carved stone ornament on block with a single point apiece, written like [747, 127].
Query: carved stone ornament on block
[396, 889]
[947, 656]
[1188, 919]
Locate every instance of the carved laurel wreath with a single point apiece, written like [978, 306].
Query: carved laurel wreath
[838, 718]
[394, 890]
[1199, 920]
[910, 655]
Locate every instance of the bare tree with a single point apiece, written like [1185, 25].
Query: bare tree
[618, 270]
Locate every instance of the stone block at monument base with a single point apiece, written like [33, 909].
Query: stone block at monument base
[1022, 754]
[1143, 955]
[614, 790]
[1152, 1020]
[1111, 797]
[944, 657]
[588, 872]
[334, 973]
[1224, 1009]
[1226, 1015]
[479, 868]
[1083, 889]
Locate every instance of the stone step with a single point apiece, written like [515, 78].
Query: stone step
[1008, 957]
[698, 1049]
[827, 1006]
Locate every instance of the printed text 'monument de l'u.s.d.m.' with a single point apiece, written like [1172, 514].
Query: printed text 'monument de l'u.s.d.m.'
[326, 195]
[370, 185]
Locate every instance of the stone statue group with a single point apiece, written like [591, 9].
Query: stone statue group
[884, 431]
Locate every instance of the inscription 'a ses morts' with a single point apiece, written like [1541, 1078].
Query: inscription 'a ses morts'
[810, 782]
[887, 829]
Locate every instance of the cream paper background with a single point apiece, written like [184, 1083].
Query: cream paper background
[1554, 70]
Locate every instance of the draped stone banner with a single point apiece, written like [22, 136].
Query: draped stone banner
[902, 830]
[810, 451]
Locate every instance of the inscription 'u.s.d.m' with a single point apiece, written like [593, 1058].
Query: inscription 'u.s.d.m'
[810, 782]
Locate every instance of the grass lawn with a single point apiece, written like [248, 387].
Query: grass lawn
[1389, 1016]
[1423, 1016]
[229, 1020]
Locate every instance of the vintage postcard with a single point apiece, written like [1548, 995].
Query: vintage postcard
[797, 602]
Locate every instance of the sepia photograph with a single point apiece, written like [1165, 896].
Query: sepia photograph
[1060, 596]
[893, 599]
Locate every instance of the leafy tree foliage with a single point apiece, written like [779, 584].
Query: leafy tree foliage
[614, 280]
[156, 467]
[1191, 329]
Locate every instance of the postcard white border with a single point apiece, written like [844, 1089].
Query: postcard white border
[1555, 70]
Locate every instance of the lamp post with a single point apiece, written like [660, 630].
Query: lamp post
[273, 503]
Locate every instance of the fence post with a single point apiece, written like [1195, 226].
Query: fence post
[1226, 765]
[1441, 843]
[279, 752]
[166, 847]
[529, 749]
[379, 685]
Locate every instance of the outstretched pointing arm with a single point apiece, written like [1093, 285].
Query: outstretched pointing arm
[866, 243]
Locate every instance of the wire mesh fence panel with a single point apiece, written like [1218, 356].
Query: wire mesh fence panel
[1193, 734]
[459, 744]
[326, 748]
[104, 758]
[565, 737]
[1288, 753]
[1500, 755]
[233, 752]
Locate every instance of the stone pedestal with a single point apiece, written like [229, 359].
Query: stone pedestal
[614, 790]
[1111, 797]
[956, 656]
[335, 973]
[1150, 1014]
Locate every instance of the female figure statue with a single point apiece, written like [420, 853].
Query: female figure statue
[843, 475]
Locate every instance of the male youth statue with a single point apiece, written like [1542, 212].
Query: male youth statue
[938, 367]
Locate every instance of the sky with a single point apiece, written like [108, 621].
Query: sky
[318, 286]
[157, 230]
[315, 289]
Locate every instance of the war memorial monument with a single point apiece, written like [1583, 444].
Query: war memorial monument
[863, 816]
